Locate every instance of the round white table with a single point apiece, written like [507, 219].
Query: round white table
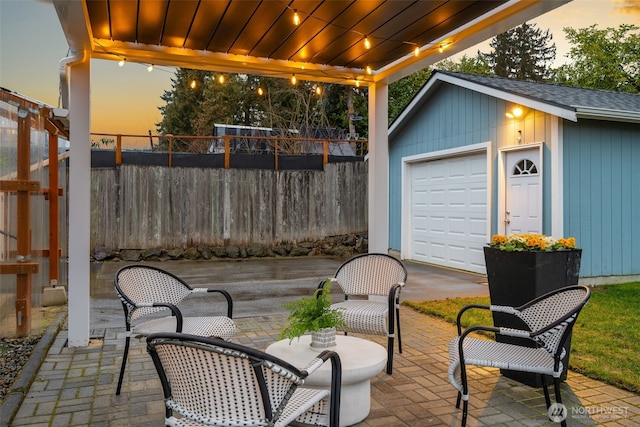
[361, 360]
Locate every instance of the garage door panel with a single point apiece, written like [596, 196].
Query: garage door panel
[449, 210]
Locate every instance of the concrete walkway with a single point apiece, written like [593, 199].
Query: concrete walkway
[76, 386]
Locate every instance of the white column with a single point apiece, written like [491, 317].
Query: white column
[557, 177]
[378, 168]
[79, 202]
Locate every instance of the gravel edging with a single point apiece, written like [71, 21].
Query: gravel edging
[23, 382]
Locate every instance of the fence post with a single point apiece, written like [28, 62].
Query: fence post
[170, 150]
[118, 149]
[325, 152]
[227, 149]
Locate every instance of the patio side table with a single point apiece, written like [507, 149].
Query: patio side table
[361, 360]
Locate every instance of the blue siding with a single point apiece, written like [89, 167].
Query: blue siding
[456, 117]
[602, 195]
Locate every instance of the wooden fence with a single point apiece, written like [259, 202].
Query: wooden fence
[141, 207]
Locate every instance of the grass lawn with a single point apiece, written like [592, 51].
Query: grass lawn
[606, 339]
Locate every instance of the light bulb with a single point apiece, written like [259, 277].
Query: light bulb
[296, 17]
[150, 68]
[193, 84]
[416, 52]
[369, 71]
[260, 91]
[318, 90]
[367, 43]
[517, 112]
[221, 78]
[121, 63]
[357, 83]
[293, 79]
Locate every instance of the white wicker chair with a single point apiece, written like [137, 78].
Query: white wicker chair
[550, 319]
[213, 382]
[147, 291]
[379, 278]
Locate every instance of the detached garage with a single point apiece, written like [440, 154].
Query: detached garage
[472, 156]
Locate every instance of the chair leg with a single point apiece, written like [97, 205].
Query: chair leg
[390, 355]
[465, 408]
[398, 327]
[124, 363]
[458, 399]
[556, 386]
[547, 399]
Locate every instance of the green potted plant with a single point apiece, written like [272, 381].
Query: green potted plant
[314, 314]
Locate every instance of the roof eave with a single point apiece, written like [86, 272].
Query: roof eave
[607, 114]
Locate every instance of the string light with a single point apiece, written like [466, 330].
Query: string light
[369, 71]
[150, 68]
[221, 78]
[260, 91]
[193, 84]
[296, 17]
[367, 43]
[121, 63]
[357, 83]
[318, 90]
[416, 51]
[294, 80]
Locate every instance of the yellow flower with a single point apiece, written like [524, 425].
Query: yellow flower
[531, 242]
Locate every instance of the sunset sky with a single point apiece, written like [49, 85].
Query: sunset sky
[126, 100]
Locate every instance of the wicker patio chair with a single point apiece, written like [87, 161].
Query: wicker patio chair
[150, 297]
[550, 319]
[371, 284]
[208, 381]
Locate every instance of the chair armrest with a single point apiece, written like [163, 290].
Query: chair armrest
[222, 292]
[464, 309]
[336, 385]
[174, 310]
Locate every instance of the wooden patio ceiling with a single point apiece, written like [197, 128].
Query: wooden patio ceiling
[260, 36]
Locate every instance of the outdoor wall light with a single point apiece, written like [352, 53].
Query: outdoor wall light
[515, 112]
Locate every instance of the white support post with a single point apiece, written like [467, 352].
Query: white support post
[378, 168]
[557, 178]
[79, 202]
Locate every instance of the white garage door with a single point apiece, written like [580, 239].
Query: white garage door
[449, 212]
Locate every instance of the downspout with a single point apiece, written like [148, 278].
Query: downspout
[74, 57]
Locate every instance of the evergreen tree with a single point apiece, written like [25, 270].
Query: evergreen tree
[523, 53]
[478, 64]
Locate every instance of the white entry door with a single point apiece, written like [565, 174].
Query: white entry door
[523, 199]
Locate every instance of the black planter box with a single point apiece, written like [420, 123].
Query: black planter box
[516, 278]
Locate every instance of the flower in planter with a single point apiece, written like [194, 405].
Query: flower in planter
[531, 242]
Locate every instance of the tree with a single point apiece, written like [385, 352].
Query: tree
[523, 53]
[478, 64]
[603, 59]
[182, 103]
[402, 91]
